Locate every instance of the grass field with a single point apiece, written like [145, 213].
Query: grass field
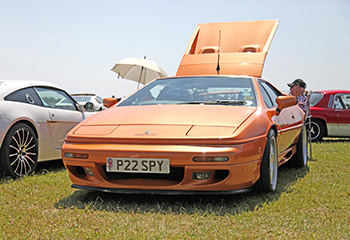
[312, 203]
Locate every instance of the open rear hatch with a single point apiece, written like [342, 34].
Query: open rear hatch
[230, 48]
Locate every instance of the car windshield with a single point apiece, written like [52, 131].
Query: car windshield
[82, 98]
[195, 90]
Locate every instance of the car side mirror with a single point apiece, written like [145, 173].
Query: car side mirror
[284, 102]
[109, 102]
[89, 107]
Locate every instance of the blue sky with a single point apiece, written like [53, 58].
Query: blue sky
[75, 43]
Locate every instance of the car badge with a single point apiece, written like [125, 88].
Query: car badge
[146, 134]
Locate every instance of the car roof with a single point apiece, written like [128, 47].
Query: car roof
[83, 94]
[204, 76]
[332, 91]
[8, 86]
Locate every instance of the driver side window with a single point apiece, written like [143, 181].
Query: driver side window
[55, 98]
[341, 101]
[269, 94]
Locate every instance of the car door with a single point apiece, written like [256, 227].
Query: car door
[341, 108]
[63, 116]
[286, 121]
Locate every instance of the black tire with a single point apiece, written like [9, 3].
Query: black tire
[318, 130]
[299, 159]
[269, 166]
[19, 152]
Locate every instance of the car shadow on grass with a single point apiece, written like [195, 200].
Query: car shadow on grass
[42, 168]
[181, 204]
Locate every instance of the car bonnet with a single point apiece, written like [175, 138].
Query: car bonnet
[166, 121]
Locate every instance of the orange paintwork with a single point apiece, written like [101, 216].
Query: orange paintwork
[284, 102]
[109, 102]
[180, 132]
[240, 48]
[201, 130]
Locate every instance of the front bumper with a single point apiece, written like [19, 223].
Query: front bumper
[236, 175]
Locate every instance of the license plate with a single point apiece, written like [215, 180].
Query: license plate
[138, 165]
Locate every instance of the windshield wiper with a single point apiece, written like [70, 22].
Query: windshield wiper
[217, 102]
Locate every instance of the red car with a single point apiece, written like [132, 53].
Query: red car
[330, 114]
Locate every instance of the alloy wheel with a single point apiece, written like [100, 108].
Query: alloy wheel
[22, 152]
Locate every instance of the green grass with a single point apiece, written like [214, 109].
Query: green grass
[311, 203]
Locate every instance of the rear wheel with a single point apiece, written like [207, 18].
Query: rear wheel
[19, 152]
[299, 159]
[318, 130]
[269, 166]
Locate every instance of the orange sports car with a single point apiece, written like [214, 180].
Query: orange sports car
[203, 131]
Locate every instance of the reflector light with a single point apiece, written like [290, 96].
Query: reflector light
[76, 155]
[210, 159]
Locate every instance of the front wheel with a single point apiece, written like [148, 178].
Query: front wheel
[19, 152]
[269, 166]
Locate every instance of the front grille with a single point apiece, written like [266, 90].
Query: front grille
[176, 174]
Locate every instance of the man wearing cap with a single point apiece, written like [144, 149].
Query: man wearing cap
[297, 89]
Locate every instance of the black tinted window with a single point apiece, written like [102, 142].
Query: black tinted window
[26, 95]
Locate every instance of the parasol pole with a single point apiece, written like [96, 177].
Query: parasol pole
[138, 85]
[142, 68]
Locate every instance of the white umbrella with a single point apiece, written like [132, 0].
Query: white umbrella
[140, 70]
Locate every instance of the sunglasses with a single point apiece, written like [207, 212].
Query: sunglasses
[294, 86]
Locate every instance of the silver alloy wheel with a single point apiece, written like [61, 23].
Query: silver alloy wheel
[22, 152]
[273, 164]
[305, 145]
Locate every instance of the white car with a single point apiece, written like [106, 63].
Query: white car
[83, 98]
[33, 124]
